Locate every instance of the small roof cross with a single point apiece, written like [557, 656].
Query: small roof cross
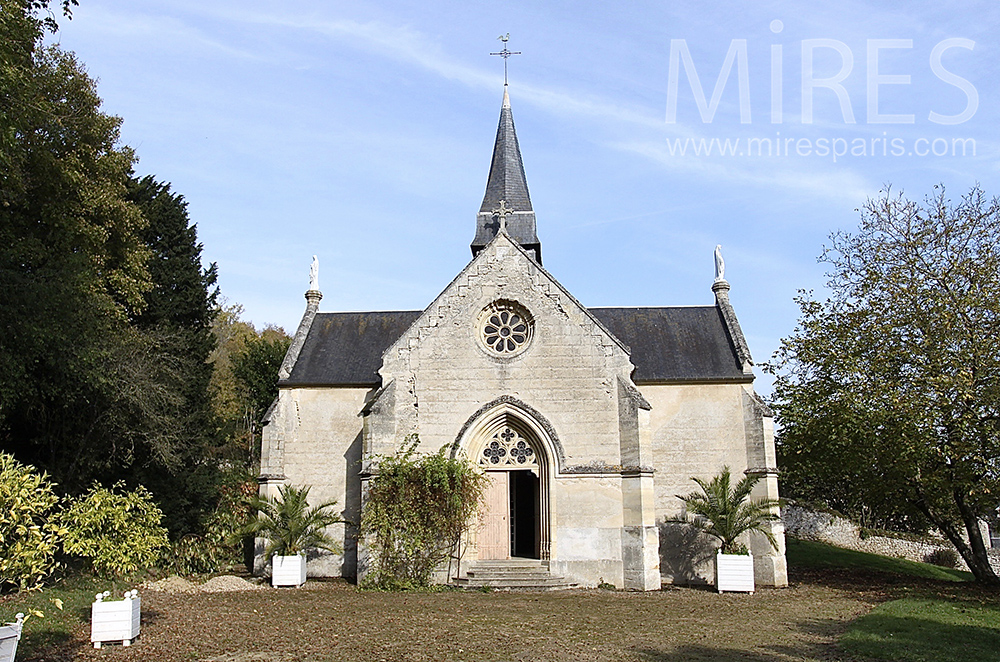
[505, 54]
[502, 212]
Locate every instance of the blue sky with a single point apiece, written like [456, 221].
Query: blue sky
[362, 132]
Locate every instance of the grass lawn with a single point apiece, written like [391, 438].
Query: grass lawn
[840, 606]
[928, 630]
[57, 626]
[929, 621]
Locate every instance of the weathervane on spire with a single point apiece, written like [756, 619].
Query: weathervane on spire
[505, 54]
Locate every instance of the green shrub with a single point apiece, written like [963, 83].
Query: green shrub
[220, 545]
[118, 531]
[416, 511]
[943, 557]
[29, 534]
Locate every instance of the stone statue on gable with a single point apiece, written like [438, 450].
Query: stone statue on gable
[720, 265]
[314, 274]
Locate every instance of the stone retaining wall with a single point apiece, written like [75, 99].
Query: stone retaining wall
[827, 528]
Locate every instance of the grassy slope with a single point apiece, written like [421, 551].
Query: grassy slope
[817, 555]
[937, 623]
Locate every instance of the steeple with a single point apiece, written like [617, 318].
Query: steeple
[507, 184]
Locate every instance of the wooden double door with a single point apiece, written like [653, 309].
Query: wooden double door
[510, 521]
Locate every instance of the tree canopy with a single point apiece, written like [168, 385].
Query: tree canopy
[888, 392]
[72, 261]
[105, 308]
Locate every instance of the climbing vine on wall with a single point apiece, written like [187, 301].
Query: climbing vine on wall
[418, 507]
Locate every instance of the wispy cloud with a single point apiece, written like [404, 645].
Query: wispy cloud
[153, 28]
[404, 44]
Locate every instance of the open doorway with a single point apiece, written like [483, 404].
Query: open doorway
[524, 514]
[511, 517]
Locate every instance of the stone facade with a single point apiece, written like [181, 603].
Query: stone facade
[614, 455]
[607, 440]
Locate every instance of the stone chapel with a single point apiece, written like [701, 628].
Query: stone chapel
[588, 421]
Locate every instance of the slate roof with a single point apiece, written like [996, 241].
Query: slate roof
[508, 183]
[346, 348]
[675, 344]
[669, 344]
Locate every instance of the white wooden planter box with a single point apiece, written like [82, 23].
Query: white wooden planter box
[10, 634]
[288, 570]
[114, 620]
[734, 572]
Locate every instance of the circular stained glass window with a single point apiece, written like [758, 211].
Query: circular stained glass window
[505, 328]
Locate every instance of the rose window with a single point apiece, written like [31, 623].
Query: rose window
[505, 328]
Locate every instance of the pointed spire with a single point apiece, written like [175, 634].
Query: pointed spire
[507, 183]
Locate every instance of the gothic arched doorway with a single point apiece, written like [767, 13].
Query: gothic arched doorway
[514, 513]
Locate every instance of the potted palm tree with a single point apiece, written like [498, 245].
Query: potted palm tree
[291, 528]
[726, 512]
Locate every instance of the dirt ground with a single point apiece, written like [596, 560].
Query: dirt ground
[331, 620]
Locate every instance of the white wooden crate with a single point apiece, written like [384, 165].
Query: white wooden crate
[734, 572]
[288, 570]
[10, 634]
[115, 620]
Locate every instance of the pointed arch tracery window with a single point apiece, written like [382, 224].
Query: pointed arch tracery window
[507, 448]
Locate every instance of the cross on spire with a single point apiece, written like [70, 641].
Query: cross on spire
[505, 54]
[503, 212]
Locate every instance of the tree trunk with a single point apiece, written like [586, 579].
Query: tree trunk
[977, 559]
[979, 562]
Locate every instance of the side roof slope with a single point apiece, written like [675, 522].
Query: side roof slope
[668, 344]
[345, 349]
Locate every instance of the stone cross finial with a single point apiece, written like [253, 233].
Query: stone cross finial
[314, 275]
[720, 265]
[503, 212]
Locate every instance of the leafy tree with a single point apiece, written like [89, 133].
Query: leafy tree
[890, 388]
[72, 262]
[105, 310]
[289, 525]
[726, 512]
[230, 333]
[417, 508]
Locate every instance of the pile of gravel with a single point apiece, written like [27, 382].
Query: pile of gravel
[220, 584]
[229, 583]
[172, 584]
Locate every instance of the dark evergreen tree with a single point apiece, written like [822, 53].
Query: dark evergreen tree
[255, 370]
[103, 350]
[179, 310]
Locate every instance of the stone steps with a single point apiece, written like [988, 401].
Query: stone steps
[515, 574]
